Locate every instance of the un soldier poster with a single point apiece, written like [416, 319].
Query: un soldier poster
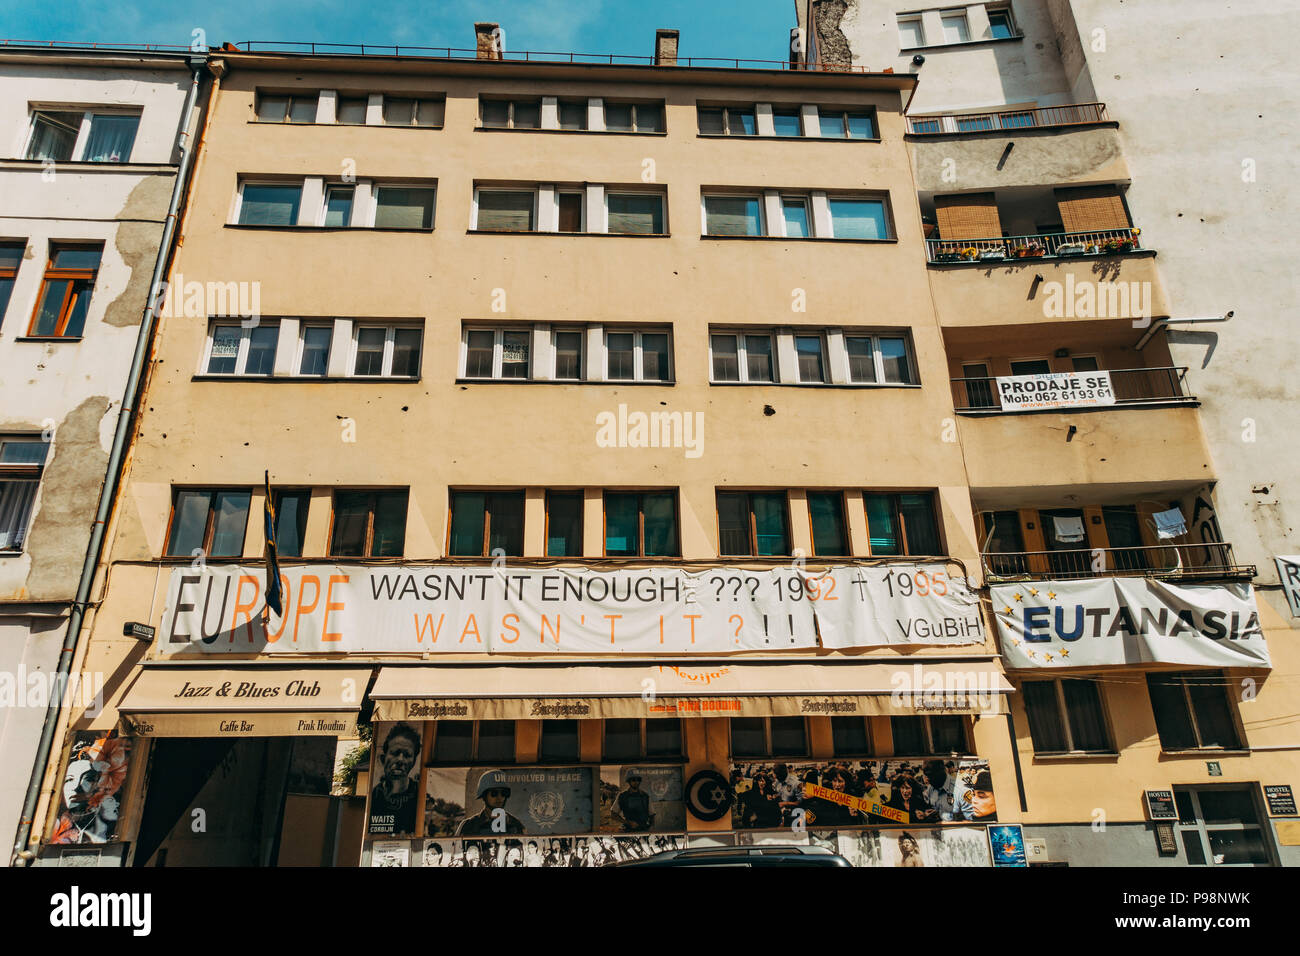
[641, 798]
[497, 802]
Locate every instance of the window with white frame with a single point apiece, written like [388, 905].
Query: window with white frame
[736, 356]
[511, 114]
[878, 359]
[568, 347]
[497, 353]
[798, 217]
[846, 124]
[64, 134]
[22, 461]
[505, 210]
[634, 117]
[234, 349]
[632, 355]
[404, 207]
[407, 111]
[910, 32]
[638, 213]
[287, 107]
[269, 204]
[385, 351]
[314, 342]
[853, 218]
[1001, 24]
[338, 204]
[728, 120]
[733, 215]
[810, 356]
[955, 28]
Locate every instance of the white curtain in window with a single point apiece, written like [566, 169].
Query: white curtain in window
[16, 499]
[111, 139]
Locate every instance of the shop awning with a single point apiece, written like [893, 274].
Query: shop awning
[244, 702]
[537, 691]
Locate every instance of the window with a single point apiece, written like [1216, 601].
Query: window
[1192, 711]
[351, 110]
[280, 108]
[910, 33]
[742, 357]
[571, 209]
[572, 114]
[560, 742]
[1221, 825]
[901, 524]
[768, 737]
[858, 219]
[290, 520]
[236, 350]
[845, 124]
[65, 291]
[850, 737]
[632, 738]
[400, 111]
[924, 735]
[314, 349]
[637, 357]
[268, 204]
[1001, 26]
[338, 205]
[634, 117]
[210, 521]
[797, 220]
[810, 353]
[733, 216]
[22, 460]
[787, 122]
[484, 523]
[879, 359]
[369, 524]
[728, 120]
[11, 257]
[404, 207]
[386, 351]
[501, 353]
[461, 742]
[826, 514]
[954, 28]
[568, 345]
[636, 213]
[564, 524]
[504, 210]
[1066, 716]
[753, 523]
[512, 114]
[641, 524]
[109, 137]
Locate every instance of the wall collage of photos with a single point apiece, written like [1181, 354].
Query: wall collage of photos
[895, 811]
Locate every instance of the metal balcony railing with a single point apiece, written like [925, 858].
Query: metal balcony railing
[1077, 114]
[1132, 386]
[1051, 244]
[1206, 560]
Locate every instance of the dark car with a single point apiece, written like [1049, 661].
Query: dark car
[780, 856]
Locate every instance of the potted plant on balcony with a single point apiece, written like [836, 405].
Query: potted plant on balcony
[948, 254]
[1035, 250]
[1072, 249]
[992, 254]
[1020, 251]
[970, 253]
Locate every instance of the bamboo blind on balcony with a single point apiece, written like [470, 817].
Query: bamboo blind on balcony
[970, 216]
[1091, 208]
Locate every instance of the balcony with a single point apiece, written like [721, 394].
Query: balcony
[1078, 114]
[1185, 562]
[1131, 386]
[1055, 245]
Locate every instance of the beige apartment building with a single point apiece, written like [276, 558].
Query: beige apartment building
[1037, 194]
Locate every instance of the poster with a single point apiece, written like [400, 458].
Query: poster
[390, 853]
[1008, 845]
[1128, 621]
[397, 753]
[644, 798]
[486, 802]
[90, 802]
[545, 852]
[916, 847]
[665, 611]
[893, 791]
[1055, 390]
[1288, 572]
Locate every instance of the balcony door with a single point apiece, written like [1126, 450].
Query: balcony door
[1004, 544]
[1065, 534]
[1124, 533]
[979, 387]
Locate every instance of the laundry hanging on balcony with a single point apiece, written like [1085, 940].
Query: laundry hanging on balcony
[1069, 529]
[1170, 524]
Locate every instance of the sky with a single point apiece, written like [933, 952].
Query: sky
[748, 29]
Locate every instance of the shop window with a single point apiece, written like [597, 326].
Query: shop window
[473, 741]
[486, 523]
[641, 524]
[769, 737]
[902, 524]
[851, 737]
[212, 522]
[923, 734]
[632, 738]
[1066, 716]
[753, 523]
[1192, 711]
[564, 524]
[22, 461]
[560, 742]
[826, 514]
[369, 524]
[65, 291]
[1220, 826]
[291, 506]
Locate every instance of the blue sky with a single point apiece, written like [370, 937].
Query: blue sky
[750, 29]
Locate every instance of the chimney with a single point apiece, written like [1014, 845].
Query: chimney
[666, 47]
[489, 41]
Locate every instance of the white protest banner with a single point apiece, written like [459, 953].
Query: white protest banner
[1055, 390]
[1288, 572]
[1128, 621]
[447, 609]
[895, 604]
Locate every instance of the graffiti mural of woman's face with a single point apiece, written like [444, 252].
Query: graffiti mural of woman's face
[79, 784]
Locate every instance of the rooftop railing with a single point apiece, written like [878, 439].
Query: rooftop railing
[1164, 385]
[1078, 114]
[1206, 560]
[1053, 244]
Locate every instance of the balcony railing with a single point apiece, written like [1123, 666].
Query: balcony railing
[1182, 561]
[1132, 386]
[1077, 114]
[1050, 245]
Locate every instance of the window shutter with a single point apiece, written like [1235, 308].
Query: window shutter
[1091, 208]
[971, 216]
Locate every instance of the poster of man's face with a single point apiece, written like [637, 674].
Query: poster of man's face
[90, 801]
[397, 751]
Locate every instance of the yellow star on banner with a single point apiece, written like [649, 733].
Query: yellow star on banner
[1030, 653]
[1047, 657]
[1006, 610]
[1015, 642]
[1020, 597]
[1065, 652]
[1051, 595]
[1034, 591]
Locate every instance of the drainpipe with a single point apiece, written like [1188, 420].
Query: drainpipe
[1164, 323]
[22, 856]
